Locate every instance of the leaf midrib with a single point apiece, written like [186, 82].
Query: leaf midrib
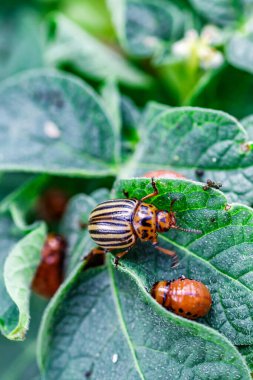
[207, 263]
[121, 320]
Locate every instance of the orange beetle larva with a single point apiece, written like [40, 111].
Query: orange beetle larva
[49, 275]
[189, 298]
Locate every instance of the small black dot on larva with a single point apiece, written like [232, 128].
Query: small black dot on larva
[180, 310]
[188, 313]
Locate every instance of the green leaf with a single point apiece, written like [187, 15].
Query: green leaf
[247, 123]
[220, 93]
[91, 16]
[131, 118]
[143, 25]
[18, 360]
[151, 111]
[221, 257]
[20, 38]
[18, 260]
[239, 47]
[188, 139]
[78, 238]
[24, 195]
[109, 326]
[63, 128]
[9, 183]
[111, 97]
[222, 12]
[124, 115]
[72, 46]
[247, 352]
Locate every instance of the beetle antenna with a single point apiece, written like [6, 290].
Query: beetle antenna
[187, 230]
[172, 204]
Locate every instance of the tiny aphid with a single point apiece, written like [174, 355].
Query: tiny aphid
[49, 275]
[212, 184]
[189, 298]
[118, 223]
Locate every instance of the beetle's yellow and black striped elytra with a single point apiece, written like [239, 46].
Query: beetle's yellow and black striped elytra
[118, 223]
[110, 224]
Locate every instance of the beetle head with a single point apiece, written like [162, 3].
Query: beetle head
[167, 219]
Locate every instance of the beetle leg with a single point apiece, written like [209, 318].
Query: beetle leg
[172, 254]
[98, 251]
[152, 194]
[119, 256]
[83, 225]
[95, 251]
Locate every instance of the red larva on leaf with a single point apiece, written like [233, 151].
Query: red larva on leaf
[49, 275]
[189, 298]
[52, 204]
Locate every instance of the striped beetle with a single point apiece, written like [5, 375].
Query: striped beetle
[118, 223]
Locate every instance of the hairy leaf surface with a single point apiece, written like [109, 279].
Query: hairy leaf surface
[54, 123]
[221, 257]
[127, 335]
[200, 144]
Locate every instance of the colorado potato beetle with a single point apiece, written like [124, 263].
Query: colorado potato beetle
[118, 223]
[189, 298]
[49, 275]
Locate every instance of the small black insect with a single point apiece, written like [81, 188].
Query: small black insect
[212, 184]
[199, 172]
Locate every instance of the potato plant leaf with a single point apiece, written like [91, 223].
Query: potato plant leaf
[20, 38]
[221, 257]
[62, 122]
[124, 114]
[247, 123]
[222, 12]
[9, 182]
[70, 45]
[25, 193]
[77, 213]
[247, 352]
[143, 25]
[201, 144]
[238, 49]
[20, 256]
[127, 335]
[228, 100]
